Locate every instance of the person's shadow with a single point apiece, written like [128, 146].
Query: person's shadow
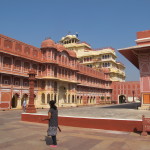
[48, 140]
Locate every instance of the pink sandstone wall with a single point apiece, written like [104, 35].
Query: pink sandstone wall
[144, 63]
[144, 66]
[125, 88]
[143, 34]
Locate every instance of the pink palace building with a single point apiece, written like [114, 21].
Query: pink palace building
[59, 76]
[139, 56]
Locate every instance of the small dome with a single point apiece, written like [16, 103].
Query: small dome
[48, 43]
[71, 36]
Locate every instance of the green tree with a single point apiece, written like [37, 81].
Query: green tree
[108, 97]
[102, 97]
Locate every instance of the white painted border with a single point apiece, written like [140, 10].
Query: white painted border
[85, 117]
[142, 39]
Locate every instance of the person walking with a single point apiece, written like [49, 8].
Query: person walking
[53, 122]
[24, 104]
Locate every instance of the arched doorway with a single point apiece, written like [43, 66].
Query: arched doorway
[88, 99]
[51, 96]
[73, 99]
[43, 98]
[24, 97]
[55, 97]
[91, 100]
[48, 98]
[81, 100]
[62, 95]
[122, 99]
[78, 102]
[14, 100]
[69, 98]
[94, 101]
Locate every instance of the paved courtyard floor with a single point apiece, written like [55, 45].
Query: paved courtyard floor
[18, 135]
[120, 111]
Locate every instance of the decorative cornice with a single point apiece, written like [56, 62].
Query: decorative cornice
[143, 40]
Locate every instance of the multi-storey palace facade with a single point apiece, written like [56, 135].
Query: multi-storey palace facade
[59, 76]
[98, 59]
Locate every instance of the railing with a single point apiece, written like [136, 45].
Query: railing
[90, 72]
[108, 59]
[104, 48]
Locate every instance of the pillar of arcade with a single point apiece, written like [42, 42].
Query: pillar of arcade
[31, 107]
[139, 56]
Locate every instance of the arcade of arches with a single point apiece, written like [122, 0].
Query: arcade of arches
[17, 100]
[122, 99]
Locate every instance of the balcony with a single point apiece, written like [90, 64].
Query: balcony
[108, 59]
[115, 70]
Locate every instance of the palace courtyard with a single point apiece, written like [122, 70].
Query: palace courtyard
[19, 135]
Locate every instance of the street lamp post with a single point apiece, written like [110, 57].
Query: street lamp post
[133, 96]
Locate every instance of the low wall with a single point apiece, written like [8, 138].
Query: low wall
[96, 123]
[4, 105]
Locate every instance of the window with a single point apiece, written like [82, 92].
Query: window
[25, 84]
[105, 56]
[5, 81]
[43, 98]
[17, 83]
[107, 64]
[89, 65]
[7, 62]
[26, 66]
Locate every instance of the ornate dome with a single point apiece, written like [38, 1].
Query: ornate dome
[69, 39]
[48, 43]
[69, 36]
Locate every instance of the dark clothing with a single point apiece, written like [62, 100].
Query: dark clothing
[53, 122]
[54, 118]
[54, 140]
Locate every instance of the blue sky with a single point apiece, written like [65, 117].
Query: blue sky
[101, 23]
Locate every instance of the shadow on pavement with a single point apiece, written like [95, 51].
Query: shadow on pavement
[124, 106]
[48, 140]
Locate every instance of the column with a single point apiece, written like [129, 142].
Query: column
[19, 102]
[67, 97]
[31, 107]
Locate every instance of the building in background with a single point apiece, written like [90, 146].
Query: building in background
[101, 60]
[98, 59]
[59, 76]
[126, 92]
